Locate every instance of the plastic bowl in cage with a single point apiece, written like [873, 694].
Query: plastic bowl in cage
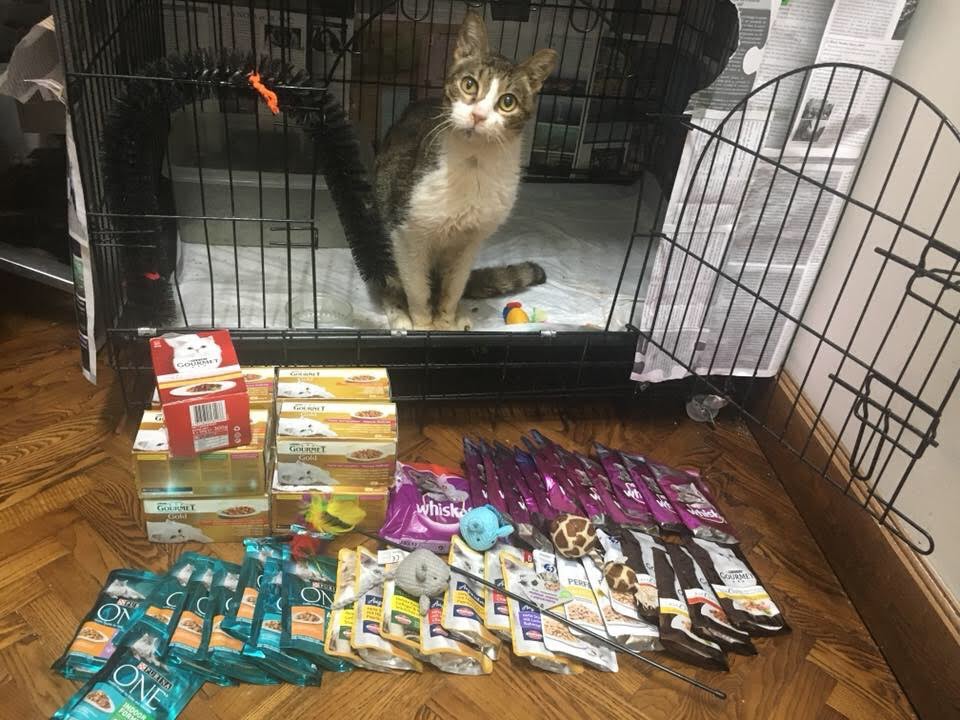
[329, 312]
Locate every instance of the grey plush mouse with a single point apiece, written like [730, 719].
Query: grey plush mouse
[421, 574]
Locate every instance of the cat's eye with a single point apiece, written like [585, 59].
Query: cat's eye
[468, 85]
[507, 103]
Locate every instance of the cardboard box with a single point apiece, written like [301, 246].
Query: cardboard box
[227, 472]
[227, 519]
[361, 508]
[261, 384]
[363, 384]
[336, 443]
[203, 394]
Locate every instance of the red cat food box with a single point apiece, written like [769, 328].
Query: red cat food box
[202, 392]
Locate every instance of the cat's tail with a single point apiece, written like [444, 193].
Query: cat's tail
[502, 280]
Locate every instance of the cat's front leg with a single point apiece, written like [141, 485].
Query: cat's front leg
[412, 256]
[455, 266]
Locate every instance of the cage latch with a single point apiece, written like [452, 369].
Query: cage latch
[938, 264]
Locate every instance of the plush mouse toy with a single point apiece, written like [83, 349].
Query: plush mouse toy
[482, 526]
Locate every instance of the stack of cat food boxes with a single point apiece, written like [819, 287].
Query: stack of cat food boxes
[336, 448]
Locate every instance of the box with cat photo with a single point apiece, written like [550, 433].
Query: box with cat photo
[206, 520]
[261, 382]
[226, 472]
[336, 443]
[315, 383]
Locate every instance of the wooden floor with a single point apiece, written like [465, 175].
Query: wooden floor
[68, 515]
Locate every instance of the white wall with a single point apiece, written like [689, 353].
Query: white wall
[930, 62]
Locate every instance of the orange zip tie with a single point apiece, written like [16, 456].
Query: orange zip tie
[268, 95]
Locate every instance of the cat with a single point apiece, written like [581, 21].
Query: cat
[192, 352]
[303, 427]
[447, 177]
[301, 474]
[302, 390]
[170, 531]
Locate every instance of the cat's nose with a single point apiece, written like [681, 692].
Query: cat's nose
[479, 116]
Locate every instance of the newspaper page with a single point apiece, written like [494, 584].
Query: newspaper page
[758, 262]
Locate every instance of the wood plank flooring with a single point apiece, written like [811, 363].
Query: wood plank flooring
[68, 514]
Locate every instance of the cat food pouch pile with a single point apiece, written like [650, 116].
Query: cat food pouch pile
[625, 492]
[425, 507]
[594, 478]
[676, 629]
[191, 636]
[691, 499]
[340, 627]
[526, 620]
[634, 632]
[496, 616]
[746, 603]
[446, 653]
[527, 520]
[708, 619]
[368, 617]
[551, 472]
[266, 631]
[495, 493]
[308, 586]
[133, 684]
[464, 602]
[475, 473]
[257, 551]
[583, 610]
[121, 596]
[637, 548]
[534, 482]
[643, 479]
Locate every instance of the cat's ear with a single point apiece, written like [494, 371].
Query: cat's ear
[539, 66]
[472, 38]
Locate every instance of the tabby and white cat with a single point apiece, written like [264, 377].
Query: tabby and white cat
[447, 177]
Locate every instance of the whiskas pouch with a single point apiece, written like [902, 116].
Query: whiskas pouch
[595, 479]
[446, 653]
[308, 586]
[625, 492]
[690, 498]
[746, 603]
[340, 627]
[475, 473]
[527, 519]
[582, 488]
[133, 685]
[401, 615]
[365, 637]
[526, 620]
[425, 506]
[551, 471]
[708, 619]
[121, 596]
[496, 616]
[225, 652]
[257, 551]
[161, 609]
[464, 603]
[643, 479]
[267, 630]
[188, 644]
[629, 630]
[495, 493]
[583, 610]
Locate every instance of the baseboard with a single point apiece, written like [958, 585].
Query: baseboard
[913, 618]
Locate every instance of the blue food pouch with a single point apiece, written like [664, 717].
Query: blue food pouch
[118, 601]
[133, 684]
[239, 621]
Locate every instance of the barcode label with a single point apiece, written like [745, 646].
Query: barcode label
[207, 413]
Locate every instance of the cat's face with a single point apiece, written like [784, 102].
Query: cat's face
[193, 346]
[488, 95]
[304, 427]
[301, 473]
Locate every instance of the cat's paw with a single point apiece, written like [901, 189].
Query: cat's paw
[457, 324]
[398, 319]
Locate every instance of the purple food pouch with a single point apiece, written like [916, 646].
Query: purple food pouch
[475, 473]
[692, 501]
[643, 479]
[599, 484]
[509, 477]
[625, 492]
[425, 506]
[582, 488]
[495, 494]
[550, 469]
[513, 477]
[531, 477]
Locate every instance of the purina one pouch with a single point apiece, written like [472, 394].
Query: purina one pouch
[625, 492]
[643, 479]
[238, 623]
[188, 644]
[464, 604]
[122, 594]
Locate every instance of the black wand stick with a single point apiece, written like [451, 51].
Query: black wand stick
[610, 642]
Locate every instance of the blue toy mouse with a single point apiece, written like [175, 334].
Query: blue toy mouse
[482, 526]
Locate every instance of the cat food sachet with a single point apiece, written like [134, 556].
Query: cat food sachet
[133, 684]
[266, 631]
[630, 630]
[122, 594]
[581, 488]
[676, 629]
[584, 611]
[495, 493]
[529, 522]
[308, 586]
[534, 481]
[340, 627]
[444, 651]
[625, 492]
[594, 478]
[551, 471]
[708, 619]
[365, 637]
[496, 616]
[526, 620]
[425, 507]
[401, 614]
[475, 473]
[637, 548]
[256, 553]
[747, 604]
[694, 504]
[464, 602]
[643, 479]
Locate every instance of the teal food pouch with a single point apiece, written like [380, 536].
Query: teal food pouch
[161, 610]
[308, 586]
[267, 629]
[118, 602]
[240, 619]
[188, 644]
[224, 652]
[133, 685]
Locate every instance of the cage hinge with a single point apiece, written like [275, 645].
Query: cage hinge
[398, 333]
[146, 332]
[548, 333]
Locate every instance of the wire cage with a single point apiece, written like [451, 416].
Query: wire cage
[864, 327]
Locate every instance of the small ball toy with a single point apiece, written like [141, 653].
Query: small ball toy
[514, 314]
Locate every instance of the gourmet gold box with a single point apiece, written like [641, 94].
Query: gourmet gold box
[261, 387]
[336, 443]
[191, 519]
[334, 509]
[236, 471]
[306, 383]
